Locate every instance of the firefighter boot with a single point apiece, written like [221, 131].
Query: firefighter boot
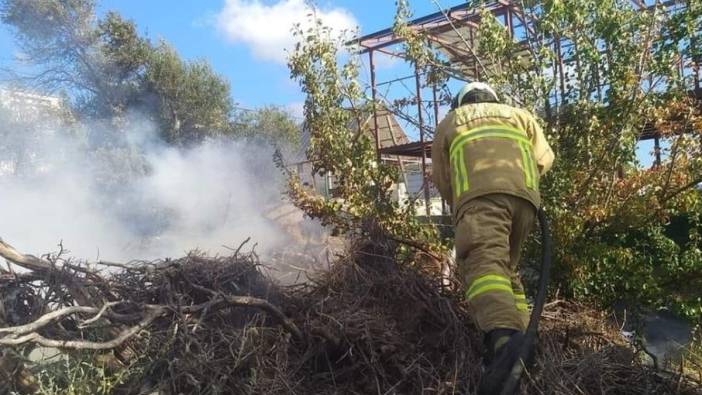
[504, 346]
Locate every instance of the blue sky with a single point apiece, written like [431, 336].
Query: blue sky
[195, 29]
[198, 30]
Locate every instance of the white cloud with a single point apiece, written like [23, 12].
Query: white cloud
[267, 29]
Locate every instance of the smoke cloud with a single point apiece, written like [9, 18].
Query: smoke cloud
[111, 190]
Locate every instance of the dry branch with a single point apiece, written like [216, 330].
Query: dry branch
[84, 345]
[47, 319]
[368, 325]
[266, 306]
[97, 316]
[26, 261]
[45, 268]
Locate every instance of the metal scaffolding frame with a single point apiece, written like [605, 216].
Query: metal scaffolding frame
[453, 33]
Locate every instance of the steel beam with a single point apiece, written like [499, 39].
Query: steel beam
[420, 116]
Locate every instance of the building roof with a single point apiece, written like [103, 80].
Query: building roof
[410, 149]
[390, 133]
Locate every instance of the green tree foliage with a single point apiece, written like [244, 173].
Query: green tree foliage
[124, 57]
[334, 102]
[619, 76]
[106, 68]
[60, 38]
[271, 125]
[193, 102]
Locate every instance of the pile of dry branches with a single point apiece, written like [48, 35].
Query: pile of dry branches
[217, 325]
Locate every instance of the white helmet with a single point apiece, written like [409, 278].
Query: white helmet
[474, 92]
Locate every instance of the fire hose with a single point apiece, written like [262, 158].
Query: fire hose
[512, 384]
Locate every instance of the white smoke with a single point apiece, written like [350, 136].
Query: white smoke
[110, 190]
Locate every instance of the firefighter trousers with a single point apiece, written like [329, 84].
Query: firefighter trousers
[489, 238]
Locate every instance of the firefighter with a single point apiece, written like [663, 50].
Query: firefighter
[487, 158]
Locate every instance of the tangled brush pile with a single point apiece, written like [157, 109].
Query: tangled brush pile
[218, 325]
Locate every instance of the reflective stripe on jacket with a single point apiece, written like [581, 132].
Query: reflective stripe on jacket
[486, 148]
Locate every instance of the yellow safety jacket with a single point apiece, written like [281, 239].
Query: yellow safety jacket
[486, 148]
